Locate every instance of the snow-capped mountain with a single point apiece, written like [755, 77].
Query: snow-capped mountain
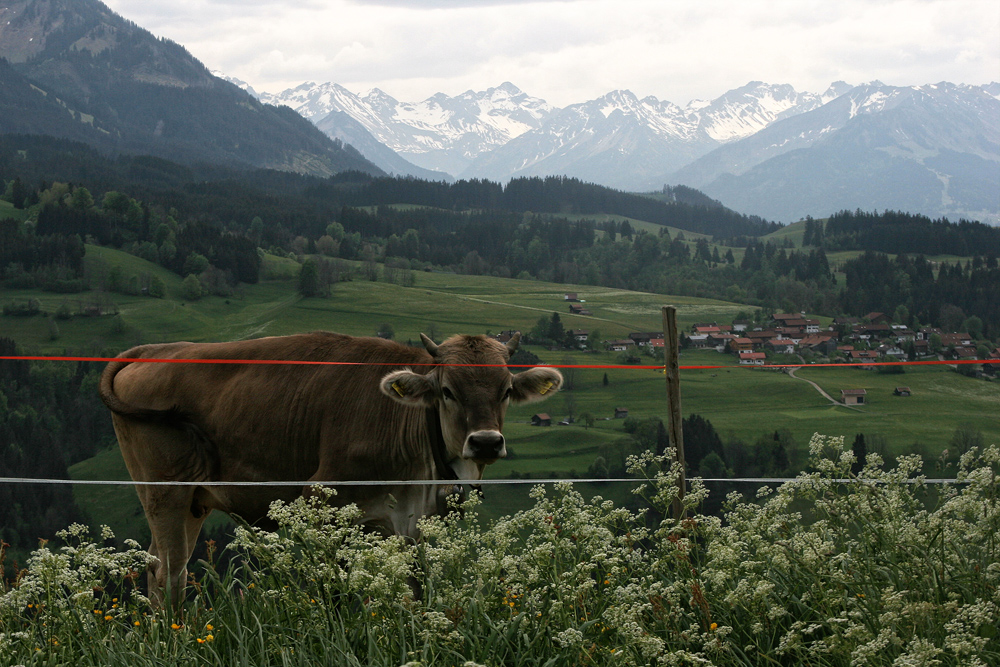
[323, 105]
[932, 149]
[340, 125]
[502, 132]
[625, 142]
[441, 133]
[762, 148]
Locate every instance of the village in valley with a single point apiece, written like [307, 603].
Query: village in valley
[874, 338]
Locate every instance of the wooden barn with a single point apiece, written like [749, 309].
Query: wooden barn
[541, 419]
[853, 396]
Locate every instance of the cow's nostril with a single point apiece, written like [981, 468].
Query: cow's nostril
[486, 445]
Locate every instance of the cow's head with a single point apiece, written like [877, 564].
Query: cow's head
[471, 390]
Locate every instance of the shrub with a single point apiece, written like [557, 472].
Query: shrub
[28, 308]
[827, 569]
[191, 288]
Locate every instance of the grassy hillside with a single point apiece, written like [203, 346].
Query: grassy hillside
[734, 399]
[794, 231]
[740, 403]
[448, 302]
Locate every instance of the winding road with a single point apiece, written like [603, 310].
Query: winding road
[791, 373]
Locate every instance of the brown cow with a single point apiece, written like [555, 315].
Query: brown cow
[381, 416]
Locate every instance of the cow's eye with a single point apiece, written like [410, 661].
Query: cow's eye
[447, 394]
[507, 394]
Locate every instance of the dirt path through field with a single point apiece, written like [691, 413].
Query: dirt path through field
[791, 373]
[535, 308]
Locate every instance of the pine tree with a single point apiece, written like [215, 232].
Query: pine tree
[308, 278]
[556, 331]
[18, 193]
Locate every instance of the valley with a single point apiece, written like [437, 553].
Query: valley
[740, 403]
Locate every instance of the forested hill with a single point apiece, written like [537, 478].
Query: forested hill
[558, 195]
[122, 89]
[23, 110]
[899, 232]
[306, 204]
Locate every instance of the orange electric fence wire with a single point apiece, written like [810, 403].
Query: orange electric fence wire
[938, 362]
[760, 480]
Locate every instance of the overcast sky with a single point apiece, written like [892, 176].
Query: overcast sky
[567, 51]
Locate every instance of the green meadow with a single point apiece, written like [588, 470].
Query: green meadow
[7, 210]
[736, 400]
[443, 302]
[740, 402]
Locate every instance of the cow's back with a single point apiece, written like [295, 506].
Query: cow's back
[276, 421]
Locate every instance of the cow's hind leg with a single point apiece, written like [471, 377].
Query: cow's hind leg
[153, 451]
[175, 528]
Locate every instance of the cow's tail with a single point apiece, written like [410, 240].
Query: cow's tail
[203, 461]
[106, 389]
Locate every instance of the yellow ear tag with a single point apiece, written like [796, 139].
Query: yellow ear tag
[544, 390]
[399, 390]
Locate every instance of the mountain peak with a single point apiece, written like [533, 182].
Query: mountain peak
[836, 89]
[32, 33]
[506, 87]
[118, 82]
[378, 94]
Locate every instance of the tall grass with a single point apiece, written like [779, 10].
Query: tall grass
[877, 571]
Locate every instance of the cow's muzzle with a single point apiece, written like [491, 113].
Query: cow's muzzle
[484, 446]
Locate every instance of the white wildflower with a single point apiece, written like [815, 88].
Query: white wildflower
[569, 638]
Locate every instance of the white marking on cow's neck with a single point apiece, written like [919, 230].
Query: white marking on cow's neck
[466, 469]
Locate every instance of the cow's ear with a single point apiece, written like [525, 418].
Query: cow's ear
[535, 384]
[408, 388]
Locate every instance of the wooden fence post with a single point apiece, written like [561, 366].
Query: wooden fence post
[672, 368]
